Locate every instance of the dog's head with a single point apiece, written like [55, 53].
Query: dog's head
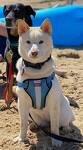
[18, 11]
[35, 43]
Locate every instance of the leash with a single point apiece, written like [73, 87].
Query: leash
[55, 136]
[7, 93]
[7, 90]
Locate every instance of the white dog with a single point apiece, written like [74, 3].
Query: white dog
[38, 90]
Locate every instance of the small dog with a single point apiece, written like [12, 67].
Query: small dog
[38, 89]
[12, 13]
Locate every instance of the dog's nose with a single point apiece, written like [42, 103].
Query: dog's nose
[34, 53]
[34, 50]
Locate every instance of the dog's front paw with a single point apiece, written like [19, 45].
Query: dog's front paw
[16, 139]
[56, 143]
[19, 139]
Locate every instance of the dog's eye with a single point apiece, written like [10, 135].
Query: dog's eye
[16, 10]
[41, 42]
[28, 42]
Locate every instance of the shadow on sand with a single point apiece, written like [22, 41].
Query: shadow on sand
[44, 142]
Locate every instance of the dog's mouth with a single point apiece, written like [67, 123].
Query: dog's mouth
[10, 23]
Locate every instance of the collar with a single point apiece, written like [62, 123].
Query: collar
[36, 65]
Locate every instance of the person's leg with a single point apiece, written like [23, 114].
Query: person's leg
[2, 45]
[1, 58]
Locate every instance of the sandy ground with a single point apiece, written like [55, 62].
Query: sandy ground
[72, 85]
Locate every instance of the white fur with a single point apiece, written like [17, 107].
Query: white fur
[57, 110]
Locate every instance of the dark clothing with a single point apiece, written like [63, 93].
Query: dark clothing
[2, 44]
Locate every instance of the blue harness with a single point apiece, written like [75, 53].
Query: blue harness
[29, 87]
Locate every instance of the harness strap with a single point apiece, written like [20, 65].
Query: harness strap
[44, 85]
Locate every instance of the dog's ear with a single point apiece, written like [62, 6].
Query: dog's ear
[29, 10]
[4, 7]
[46, 26]
[22, 26]
[4, 10]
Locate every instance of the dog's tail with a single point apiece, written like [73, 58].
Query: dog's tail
[72, 102]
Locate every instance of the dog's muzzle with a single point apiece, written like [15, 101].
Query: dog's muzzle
[34, 53]
[10, 23]
[10, 20]
[34, 50]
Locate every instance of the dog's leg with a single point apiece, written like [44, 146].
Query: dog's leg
[53, 102]
[54, 121]
[23, 112]
[23, 107]
[66, 114]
